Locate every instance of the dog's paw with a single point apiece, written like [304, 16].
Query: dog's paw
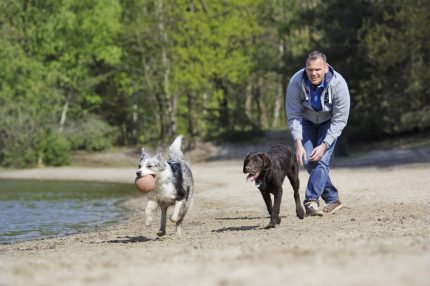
[269, 226]
[161, 233]
[148, 221]
[300, 213]
[173, 218]
[179, 232]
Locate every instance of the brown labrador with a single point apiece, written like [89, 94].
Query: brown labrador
[269, 170]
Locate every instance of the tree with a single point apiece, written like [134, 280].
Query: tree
[213, 58]
[280, 52]
[51, 51]
[78, 37]
[381, 49]
[28, 98]
[397, 50]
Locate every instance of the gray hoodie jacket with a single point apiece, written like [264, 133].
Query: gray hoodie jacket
[335, 105]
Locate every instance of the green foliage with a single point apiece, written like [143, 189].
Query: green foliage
[213, 57]
[90, 134]
[87, 74]
[397, 50]
[50, 52]
[21, 147]
[382, 49]
[52, 149]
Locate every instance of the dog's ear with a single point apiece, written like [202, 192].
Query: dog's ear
[267, 162]
[159, 157]
[245, 162]
[159, 161]
[143, 154]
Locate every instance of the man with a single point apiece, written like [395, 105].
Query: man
[317, 105]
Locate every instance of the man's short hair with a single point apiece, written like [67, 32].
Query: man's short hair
[316, 55]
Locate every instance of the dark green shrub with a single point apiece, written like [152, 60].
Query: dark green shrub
[90, 134]
[53, 150]
[25, 149]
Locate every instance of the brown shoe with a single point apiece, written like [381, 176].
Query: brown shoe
[312, 209]
[331, 208]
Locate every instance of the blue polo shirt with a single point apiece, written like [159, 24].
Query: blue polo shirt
[315, 95]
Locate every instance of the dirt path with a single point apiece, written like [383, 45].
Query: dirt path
[381, 237]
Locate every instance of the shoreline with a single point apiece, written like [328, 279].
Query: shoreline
[95, 174]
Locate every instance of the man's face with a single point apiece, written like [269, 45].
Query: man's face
[316, 69]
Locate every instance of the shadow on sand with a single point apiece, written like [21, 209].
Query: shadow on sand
[236, 228]
[129, 239]
[242, 218]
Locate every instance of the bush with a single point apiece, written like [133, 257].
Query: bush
[90, 134]
[23, 149]
[53, 150]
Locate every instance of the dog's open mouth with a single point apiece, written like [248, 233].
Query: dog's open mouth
[252, 177]
[153, 175]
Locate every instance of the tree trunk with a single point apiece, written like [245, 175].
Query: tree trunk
[278, 105]
[171, 98]
[224, 116]
[64, 113]
[192, 120]
[280, 90]
[160, 113]
[135, 118]
[261, 107]
[248, 99]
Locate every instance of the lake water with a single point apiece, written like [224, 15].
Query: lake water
[42, 209]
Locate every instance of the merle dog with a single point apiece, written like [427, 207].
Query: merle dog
[174, 185]
[269, 170]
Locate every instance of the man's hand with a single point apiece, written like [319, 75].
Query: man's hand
[318, 152]
[300, 152]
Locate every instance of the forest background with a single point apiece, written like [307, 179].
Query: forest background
[92, 74]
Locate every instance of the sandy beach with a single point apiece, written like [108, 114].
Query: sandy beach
[380, 237]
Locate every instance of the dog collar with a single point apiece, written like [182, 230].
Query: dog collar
[258, 184]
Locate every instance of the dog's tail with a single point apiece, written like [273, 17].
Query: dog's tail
[175, 152]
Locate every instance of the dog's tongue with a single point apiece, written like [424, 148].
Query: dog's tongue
[250, 178]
